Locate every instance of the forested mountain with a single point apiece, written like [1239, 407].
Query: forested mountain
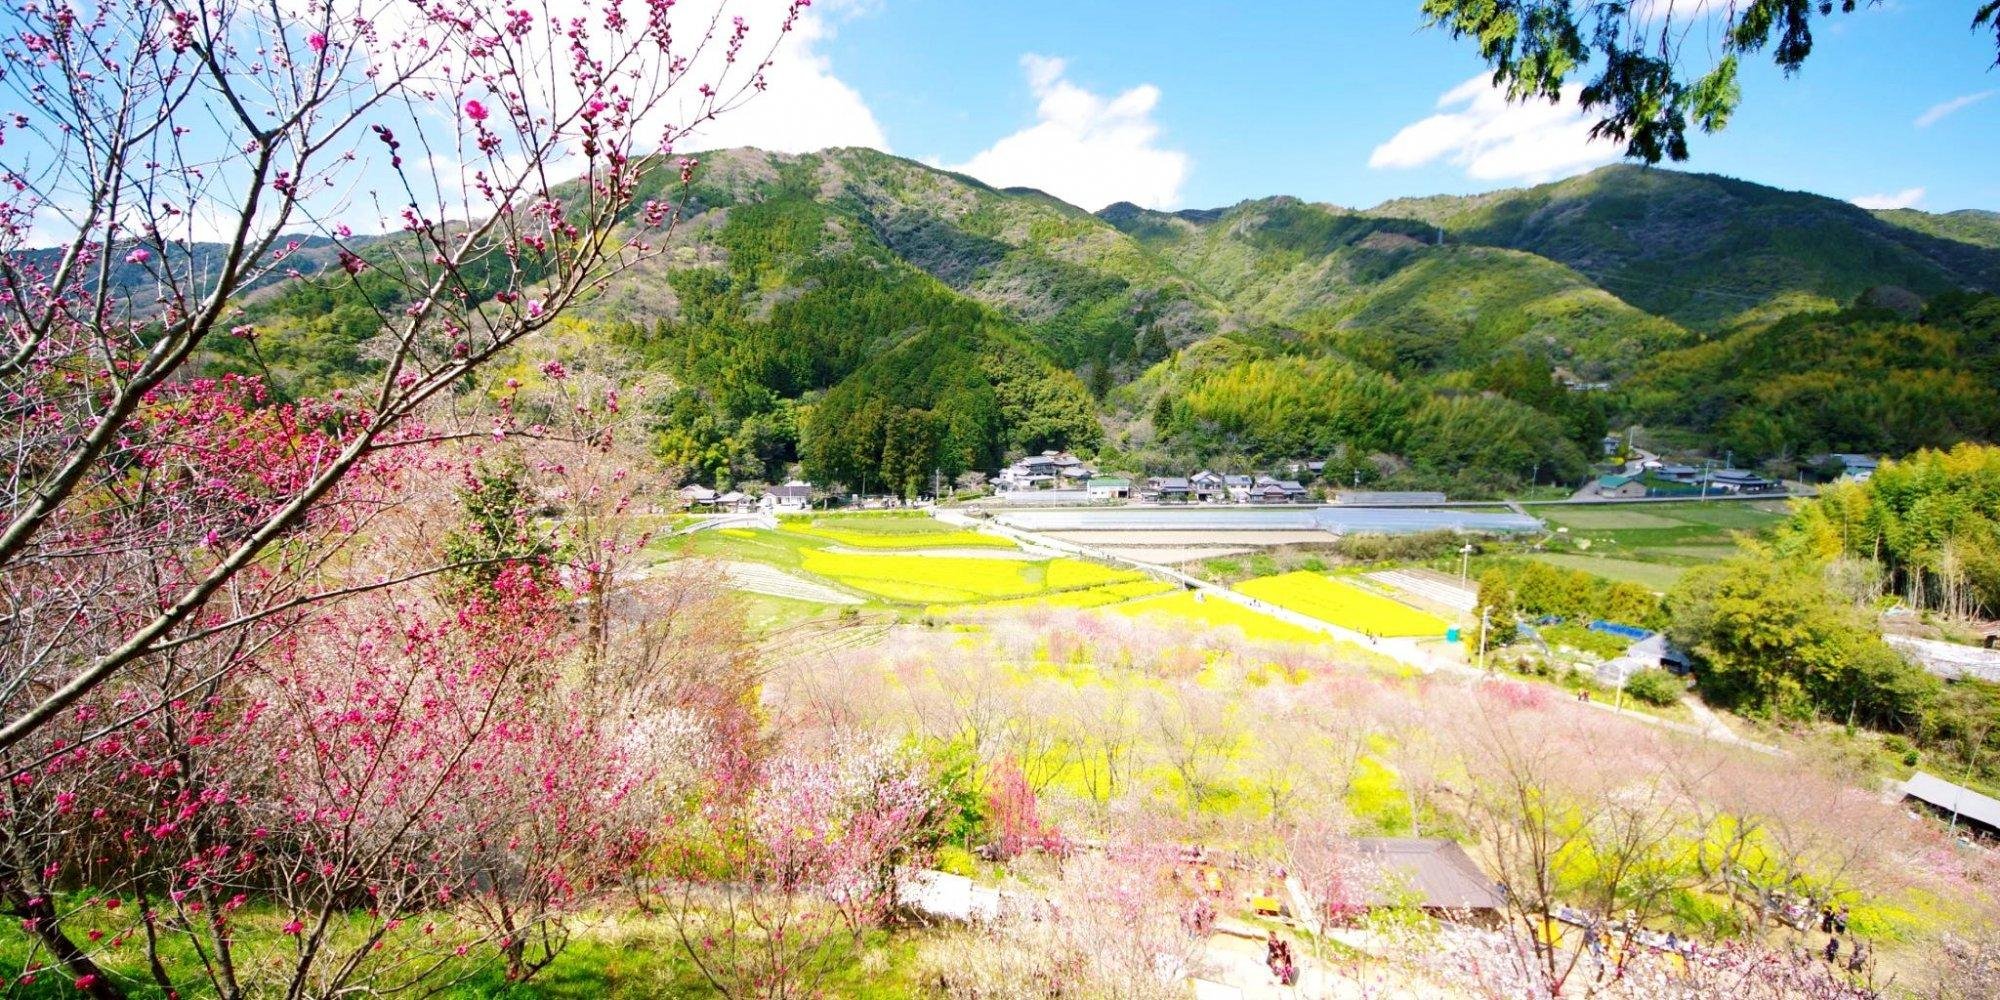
[1704, 250]
[883, 322]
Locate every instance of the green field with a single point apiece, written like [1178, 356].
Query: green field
[1653, 544]
[1342, 604]
[1217, 612]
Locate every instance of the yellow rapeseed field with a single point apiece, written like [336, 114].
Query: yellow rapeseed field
[1220, 613]
[1343, 604]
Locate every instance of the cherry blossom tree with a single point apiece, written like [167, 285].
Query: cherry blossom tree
[776, 877]
[180, 158]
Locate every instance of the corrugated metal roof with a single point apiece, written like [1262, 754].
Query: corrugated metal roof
[1936, 791]
[1442, 875]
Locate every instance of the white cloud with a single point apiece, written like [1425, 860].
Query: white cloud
[805, 107]
[1906, 198]
[1939, 111]
[1478, 130]
[1085, 148]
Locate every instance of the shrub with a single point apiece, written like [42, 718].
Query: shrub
[1654, 687]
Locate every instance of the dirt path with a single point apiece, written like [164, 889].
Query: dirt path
[758, 578]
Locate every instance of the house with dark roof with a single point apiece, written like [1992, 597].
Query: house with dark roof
[1207, 486]
[1167, 489]
[1740, 481]
[1433, 875]
[1956, 804]
[795, 495]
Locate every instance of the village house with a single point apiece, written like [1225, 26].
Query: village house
[1855, 468]
[1646, 484]
[1621, 486]
[697, 496]
[1741, 481]
[1046, 471]
[1207, 487]
[793, 496]
[1108, 488]
[1269, 489]
[1167, 489]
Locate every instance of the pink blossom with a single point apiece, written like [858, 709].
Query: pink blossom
[534, 308]
[139, 255]
[294, 927]
[316, 41]
[475, 110]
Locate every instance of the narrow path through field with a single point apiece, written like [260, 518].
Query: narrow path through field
[758, 578]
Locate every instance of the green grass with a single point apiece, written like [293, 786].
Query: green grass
[1217, 612]
[1656, 576]
[629, 958]
[1342, 604]
[766, 613]
[1653, 544]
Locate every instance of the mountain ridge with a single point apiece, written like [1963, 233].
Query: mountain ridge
[875, 319]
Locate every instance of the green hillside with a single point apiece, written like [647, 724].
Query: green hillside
[1701, 249]
[1859, 380]
[868, 319]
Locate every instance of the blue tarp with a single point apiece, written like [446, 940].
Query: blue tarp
[1632, 632]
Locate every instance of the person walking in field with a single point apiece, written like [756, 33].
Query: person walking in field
[1832, 949]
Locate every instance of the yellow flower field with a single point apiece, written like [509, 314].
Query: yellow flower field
[1343, 604]
[1068, 574]
[933, 579]
[1219, 613]
[910, 539]
[1089, 597]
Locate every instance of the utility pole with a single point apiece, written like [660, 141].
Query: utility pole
[1464, 561]
[1485, 626]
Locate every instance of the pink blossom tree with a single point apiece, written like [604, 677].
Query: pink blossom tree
[769, 887]
[180, 158]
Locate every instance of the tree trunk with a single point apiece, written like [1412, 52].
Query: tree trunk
[40, 913]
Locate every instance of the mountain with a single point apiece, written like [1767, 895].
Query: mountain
[886, 322]
[1703, 250]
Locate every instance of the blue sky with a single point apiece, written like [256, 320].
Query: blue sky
[1184, 104]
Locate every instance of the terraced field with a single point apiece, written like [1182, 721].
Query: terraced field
[1343, 604]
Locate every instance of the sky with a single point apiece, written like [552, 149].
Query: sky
[1177, 104]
